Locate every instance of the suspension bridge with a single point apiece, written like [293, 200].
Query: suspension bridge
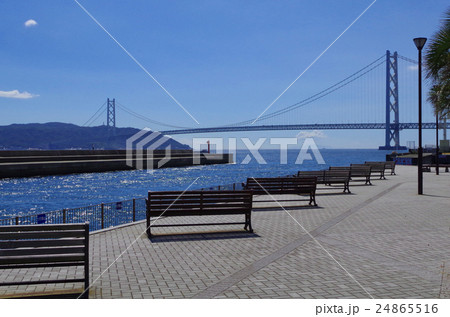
[369, 98]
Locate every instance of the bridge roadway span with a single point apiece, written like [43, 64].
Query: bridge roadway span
[322, 126]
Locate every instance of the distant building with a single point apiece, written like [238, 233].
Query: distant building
[411, 145]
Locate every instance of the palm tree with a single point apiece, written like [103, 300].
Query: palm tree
[437, 62]
[439, 97]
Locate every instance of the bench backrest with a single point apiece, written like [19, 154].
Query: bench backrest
[33, 246]
[339, 168]
[198, 202]
[387, 164]
[335, 175]
[274, 185]
[376, 166]
[320, 175]
[363, 167]
[355, 169]
[390, 164]
[327, 175]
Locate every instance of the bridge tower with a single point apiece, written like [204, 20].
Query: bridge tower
[111, 116]
[392, 132]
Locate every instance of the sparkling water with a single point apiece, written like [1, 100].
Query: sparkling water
[21, 196]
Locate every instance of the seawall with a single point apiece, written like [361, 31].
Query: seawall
[44, 163]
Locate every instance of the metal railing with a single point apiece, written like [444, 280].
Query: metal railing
[99, 216]
[233, 186]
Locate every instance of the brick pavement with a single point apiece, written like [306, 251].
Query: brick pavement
[382, 241]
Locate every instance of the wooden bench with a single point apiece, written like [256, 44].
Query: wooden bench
[363, 172]
[283, 185]
[43, 246]
[388, 165]
[199, 203]
[428, 167]
[376, 167]
[328, 177]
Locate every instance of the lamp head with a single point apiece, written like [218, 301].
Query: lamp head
[420, 42]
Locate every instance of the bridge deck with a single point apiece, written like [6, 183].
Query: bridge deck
[344, 126]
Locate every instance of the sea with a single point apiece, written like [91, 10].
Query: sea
[22, 196]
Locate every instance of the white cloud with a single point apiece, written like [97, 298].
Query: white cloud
[413, 67]
[30, 23]
[311, 134]
[16, 94]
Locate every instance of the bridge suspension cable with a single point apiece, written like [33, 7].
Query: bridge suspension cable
[323, 93]
[95, 116]
[144, 118]
[360, 73]
[408, 59]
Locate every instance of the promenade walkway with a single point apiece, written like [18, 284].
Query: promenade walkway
[381, 241]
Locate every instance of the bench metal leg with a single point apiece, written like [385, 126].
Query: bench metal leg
[347, 188]
[148, 223]
[312, 199]
[85, 295]
[149, 232]
[248, 223]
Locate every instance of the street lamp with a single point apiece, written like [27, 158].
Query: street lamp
[437, 142]
[420, 43]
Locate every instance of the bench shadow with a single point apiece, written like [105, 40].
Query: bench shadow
[196, 236]
[50, 294]
[436, 196]
[359, 185]
[276, 208]
[333, 194]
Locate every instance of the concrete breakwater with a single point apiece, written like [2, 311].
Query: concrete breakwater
[56, 162]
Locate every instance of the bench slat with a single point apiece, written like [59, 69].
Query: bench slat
[33, 265]
[41, 243]
[41, 235]
[200, 224]
[37, 251]
[182, 201]
[74, 280]
[197, 212]
[205, 193]
[41, 228]
[39, 259]
[196, 192]
[155, 205]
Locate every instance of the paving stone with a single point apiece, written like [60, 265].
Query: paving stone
[383, 240]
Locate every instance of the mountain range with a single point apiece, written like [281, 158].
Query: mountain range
[60, 136]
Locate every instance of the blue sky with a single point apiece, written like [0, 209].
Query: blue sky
[224, 61]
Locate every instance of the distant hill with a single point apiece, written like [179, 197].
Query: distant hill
[59, 136]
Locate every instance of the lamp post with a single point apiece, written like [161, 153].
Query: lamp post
[437, 143]
[420, 43]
